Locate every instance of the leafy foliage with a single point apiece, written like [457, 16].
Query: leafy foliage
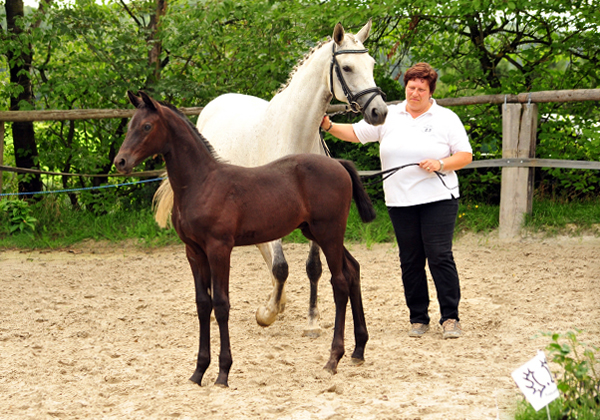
[17, 217]
[578, 380]
[87, 55]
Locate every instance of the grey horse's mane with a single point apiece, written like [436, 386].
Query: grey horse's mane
[301, 62]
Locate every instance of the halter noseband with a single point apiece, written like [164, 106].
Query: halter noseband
[352, 98]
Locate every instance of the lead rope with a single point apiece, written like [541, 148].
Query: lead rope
[322, 132]
[389, 172]
[323, 144]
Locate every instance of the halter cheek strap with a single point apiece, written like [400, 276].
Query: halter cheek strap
[352, 97]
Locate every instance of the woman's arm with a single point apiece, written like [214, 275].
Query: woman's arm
[341, 131]
[452, 163]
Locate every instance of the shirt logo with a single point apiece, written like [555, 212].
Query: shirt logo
[428, 128]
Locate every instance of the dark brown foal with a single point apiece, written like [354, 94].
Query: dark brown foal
[218, 206]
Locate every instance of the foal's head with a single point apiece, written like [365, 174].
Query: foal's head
[146, 134]
[150, 130]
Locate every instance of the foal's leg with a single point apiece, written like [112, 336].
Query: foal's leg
[335, 260]
[272, 252]
[219, 258]
[201, 272]
[352, 275]
[314, 269]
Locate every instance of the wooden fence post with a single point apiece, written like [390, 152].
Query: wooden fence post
[519, 126]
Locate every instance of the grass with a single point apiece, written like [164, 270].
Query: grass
[477, 218]
[575, 217]
[58, 225]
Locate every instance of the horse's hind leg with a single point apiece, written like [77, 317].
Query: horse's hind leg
[334, 253]
[361, 336]
[201, 273]
[272, 252]
[314, 269]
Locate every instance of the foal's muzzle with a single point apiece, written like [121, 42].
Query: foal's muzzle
[122, 164]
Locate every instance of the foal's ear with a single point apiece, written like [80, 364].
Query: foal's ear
[150, 103]
[338, 33]
[135, 101]
[363, 34]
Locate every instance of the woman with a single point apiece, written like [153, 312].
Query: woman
[422, 209]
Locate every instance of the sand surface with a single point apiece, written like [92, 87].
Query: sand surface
[110, 332]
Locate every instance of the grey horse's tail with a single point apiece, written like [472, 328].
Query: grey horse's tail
[163, 203]
[361, 198]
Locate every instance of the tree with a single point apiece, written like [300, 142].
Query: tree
[497, 46]
[20, 56]
[187, 52]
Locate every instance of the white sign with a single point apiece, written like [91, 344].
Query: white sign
[535, 381]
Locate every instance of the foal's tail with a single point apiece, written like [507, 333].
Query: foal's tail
[163, 203]
[361, 198]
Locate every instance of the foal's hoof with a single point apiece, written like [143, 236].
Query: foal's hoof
[265, 317]
[197, 378]
[312, 332]
[331, 369]
[357, 362]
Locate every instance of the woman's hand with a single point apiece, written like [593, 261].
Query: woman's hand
[326, 123]
[341, 131]
[431, 165]
[451, 163]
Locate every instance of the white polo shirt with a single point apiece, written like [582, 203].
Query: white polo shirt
[436, 134]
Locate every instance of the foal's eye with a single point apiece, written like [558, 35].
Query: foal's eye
[147, 127]
[347, 69]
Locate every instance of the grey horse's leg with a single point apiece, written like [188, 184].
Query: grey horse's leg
[314, 270]
[272, 253]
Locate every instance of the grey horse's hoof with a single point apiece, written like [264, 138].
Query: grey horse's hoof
[264, 317]
[312, 332]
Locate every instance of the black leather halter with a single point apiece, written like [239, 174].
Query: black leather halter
[352, 97]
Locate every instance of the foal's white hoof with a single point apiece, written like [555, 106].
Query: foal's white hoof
[264, 317]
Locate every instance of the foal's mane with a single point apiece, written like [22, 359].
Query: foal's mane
[193, 128]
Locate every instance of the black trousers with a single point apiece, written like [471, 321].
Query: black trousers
[424, 233]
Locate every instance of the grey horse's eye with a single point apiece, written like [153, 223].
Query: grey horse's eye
[347, 69]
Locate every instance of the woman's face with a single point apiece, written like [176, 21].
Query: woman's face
[417, 95]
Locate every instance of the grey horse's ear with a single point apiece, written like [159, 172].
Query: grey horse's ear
[150, 103]
[338, 33]
[363, 34]
[135, 101]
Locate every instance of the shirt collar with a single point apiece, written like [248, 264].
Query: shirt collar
[431, 110]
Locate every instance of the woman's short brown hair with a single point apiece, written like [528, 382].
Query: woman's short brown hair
[422, 71]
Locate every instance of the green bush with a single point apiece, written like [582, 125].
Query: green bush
[16, 215]
[578, 382]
